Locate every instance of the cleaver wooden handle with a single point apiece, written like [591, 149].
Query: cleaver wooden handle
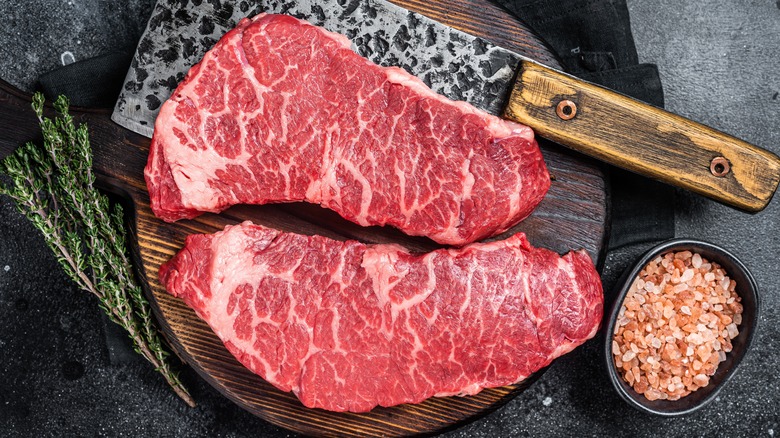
[641, 138]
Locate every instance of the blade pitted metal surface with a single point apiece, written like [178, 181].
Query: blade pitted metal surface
[453, 63]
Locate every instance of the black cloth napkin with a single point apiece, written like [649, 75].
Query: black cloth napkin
[91, 83]
[593, 40]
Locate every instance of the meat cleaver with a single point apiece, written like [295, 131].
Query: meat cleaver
[582, 116]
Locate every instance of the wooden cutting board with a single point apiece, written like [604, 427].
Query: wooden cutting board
[573, 215]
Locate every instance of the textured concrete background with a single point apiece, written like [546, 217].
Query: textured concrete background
[719, 63]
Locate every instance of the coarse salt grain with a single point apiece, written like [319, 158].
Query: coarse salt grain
[667, 344]
[732, 329]
[696, 261]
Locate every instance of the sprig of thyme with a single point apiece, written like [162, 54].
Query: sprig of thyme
[53, 187]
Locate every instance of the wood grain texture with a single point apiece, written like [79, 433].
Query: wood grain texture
[644, 139]
[573, 215]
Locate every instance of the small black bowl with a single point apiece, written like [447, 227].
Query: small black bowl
[746, 289]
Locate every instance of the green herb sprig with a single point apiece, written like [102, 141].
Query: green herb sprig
[53, 187]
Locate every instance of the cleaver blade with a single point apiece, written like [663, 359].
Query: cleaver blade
[585, 117]
[453, 63]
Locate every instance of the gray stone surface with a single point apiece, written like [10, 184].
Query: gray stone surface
[719, 62]
[39, 35]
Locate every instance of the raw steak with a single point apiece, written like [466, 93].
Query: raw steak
[348, 326]
[283, 111]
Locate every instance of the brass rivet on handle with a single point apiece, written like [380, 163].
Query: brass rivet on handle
[720, 166]
[566, 109]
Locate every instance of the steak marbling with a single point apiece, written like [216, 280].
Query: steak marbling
[283, 111]
[348, 326]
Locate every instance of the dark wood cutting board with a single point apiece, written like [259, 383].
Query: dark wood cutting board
[573, 215]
